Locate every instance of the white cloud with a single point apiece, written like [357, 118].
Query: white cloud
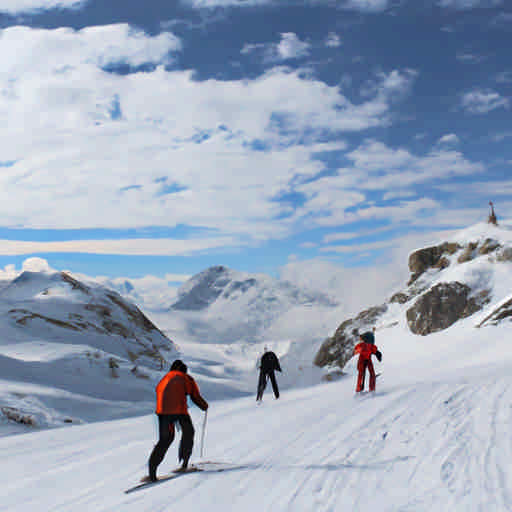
[449, 139]
[45, 52]
[157, 148]
[353, 5]
[471, 58]
[341, 199]
[291, 47]
[351, 235]
[481, 101]
[134, 247]
[394, 85]
[364, 5]
[356, 248]
[399, 194]
[18, 6]
[288, 48]
[333, 40]
[486, 188]
[371, 284]
[469, 4]
[35, 264]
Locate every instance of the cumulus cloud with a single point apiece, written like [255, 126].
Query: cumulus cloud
[14, 7]
[45, 52]
[289, 47]
[481, 101]
[159, 147]
[33, 264]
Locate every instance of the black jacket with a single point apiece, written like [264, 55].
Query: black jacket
[269, 362]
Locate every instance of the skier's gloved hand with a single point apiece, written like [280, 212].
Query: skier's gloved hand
[378, 355]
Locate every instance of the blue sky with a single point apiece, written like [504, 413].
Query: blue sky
[163, 137]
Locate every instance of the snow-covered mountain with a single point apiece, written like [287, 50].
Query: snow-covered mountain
[461, 281]
[72, 352]
[434, 436]
[225, 306]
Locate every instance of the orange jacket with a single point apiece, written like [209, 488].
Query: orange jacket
[365, 350]
[172, 391]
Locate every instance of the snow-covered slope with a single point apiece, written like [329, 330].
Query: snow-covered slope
[421, 444]
[73, 352]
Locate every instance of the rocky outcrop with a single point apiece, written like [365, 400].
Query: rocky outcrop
[430, 257]
[429, 302]
[337, 350]
[501, 313]
[399, 298]
[442, 306]
[504, 254]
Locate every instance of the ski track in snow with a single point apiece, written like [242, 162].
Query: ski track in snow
[420, 447]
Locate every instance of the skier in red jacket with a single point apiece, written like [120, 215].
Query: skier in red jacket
[171, 408]
[366, 348]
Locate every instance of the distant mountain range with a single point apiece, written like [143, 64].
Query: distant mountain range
[72, 350]
[223, 305]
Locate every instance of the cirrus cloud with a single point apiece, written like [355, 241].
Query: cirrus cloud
[369, 6]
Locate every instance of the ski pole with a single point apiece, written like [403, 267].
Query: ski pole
[203, 432]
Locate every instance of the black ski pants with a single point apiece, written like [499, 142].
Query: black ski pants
[166, 437]
[262, 383]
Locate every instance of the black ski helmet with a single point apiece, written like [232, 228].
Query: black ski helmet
[368, 337]
[179, 366]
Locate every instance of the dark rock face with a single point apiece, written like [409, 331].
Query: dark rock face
[400, 298]
[504, 254]
[338, 349]
[430, 257]
[498, 315]
[442, 306]
[488, 246]
[468, 254]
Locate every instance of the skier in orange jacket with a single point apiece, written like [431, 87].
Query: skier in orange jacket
[171, 407]
[366, 348]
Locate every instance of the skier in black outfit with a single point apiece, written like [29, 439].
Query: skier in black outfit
[269, 363]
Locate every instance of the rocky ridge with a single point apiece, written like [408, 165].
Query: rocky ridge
[448, 282]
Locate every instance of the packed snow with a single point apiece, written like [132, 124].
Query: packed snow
[434, 436]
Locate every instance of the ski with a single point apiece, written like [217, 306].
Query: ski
[200, 467]
[146, 482]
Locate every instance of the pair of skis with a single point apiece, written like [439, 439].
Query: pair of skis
[206, 467]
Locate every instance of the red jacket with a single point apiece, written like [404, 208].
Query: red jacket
[365, 350]
[172, 391]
